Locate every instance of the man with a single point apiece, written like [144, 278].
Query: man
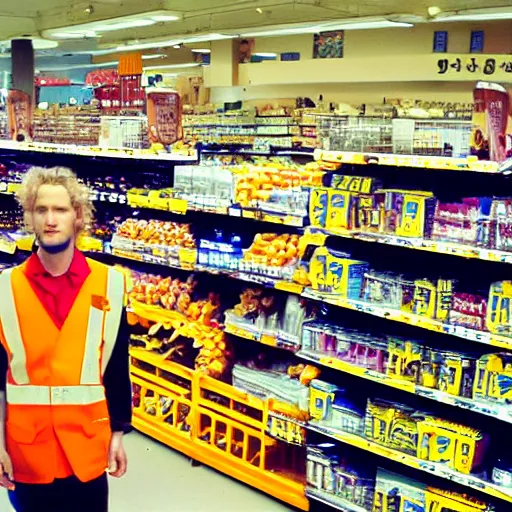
[65, 392]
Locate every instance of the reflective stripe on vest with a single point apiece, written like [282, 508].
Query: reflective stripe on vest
[115, 295]
[102, 326]
[57, 395]
[12, 332]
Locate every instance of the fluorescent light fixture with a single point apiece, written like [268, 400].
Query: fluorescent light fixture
[37, 43]
[96, 65]
[168, 43]
[112, 27]
[93, 28]
[504, 13]
[348, 24]
[174, 66]
[201, 50]
[265, 54]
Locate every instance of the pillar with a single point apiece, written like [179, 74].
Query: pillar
[22, 57]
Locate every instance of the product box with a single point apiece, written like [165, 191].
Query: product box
[333, 272]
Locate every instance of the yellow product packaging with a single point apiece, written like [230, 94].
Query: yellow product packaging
[159, 199]
[339, 209]
[433, 300]
[499, 308]
[318, 207]
[138, 197]
[409, 213]
[337, 273]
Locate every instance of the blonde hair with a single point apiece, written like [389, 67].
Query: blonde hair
[79, 193]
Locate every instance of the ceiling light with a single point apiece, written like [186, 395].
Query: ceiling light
[89, 9]
[201, 50]
[268, 55]
[119, 23]
[37, 43]
[163, 18]
[111, 27]
[259, 10]
[476, 15]
[169, 43]
[434, 11]
[350, 24]
[177, 46]
[175, 66]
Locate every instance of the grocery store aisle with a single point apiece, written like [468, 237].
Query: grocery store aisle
[162, 480]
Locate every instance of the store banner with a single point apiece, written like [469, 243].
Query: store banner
[492, 122]
[19, 109]
[164, 116]
[471, 65]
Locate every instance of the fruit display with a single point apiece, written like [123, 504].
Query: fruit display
[257, 184]
[155, 233]
[270, 249]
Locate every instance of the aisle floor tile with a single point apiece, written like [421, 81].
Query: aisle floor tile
[162, 480]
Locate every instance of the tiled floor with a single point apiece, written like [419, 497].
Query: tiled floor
[162, 480]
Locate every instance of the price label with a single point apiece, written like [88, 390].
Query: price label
[12, 188]
[286, 430]
[289, 287]
[7, 246]
[266, 339]
[178, 206]
[235, 212]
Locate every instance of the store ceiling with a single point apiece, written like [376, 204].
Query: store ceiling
[28, 17]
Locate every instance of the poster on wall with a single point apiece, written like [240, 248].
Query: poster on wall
[329, 45]
[245, 49]
[164, 116]
[492, 122]
[19, 109]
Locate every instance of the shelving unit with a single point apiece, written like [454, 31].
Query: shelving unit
[175, 404]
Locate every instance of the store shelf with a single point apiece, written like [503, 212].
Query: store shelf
[502, 412]
[435, 163]
[336, 502]
[95, 151]
[429, 324]
[435, 468]
[421, 244]
[404, 317]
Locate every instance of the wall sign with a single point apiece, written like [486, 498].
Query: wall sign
[477, 41]
[290, 56]
[440, 41]
[487, 66]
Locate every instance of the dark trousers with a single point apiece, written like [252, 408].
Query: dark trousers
[63, 495]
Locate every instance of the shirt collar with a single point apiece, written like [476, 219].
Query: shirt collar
[78, 268]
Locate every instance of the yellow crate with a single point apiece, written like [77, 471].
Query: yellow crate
[212, 422]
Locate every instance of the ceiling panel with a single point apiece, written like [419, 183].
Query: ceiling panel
[203, 16]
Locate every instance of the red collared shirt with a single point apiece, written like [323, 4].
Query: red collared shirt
[57, 294]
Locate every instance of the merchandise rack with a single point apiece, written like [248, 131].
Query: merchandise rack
[191, 442]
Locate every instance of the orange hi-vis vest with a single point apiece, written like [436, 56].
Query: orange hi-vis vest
[55, 395]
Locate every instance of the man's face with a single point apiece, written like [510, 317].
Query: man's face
[54, 218]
